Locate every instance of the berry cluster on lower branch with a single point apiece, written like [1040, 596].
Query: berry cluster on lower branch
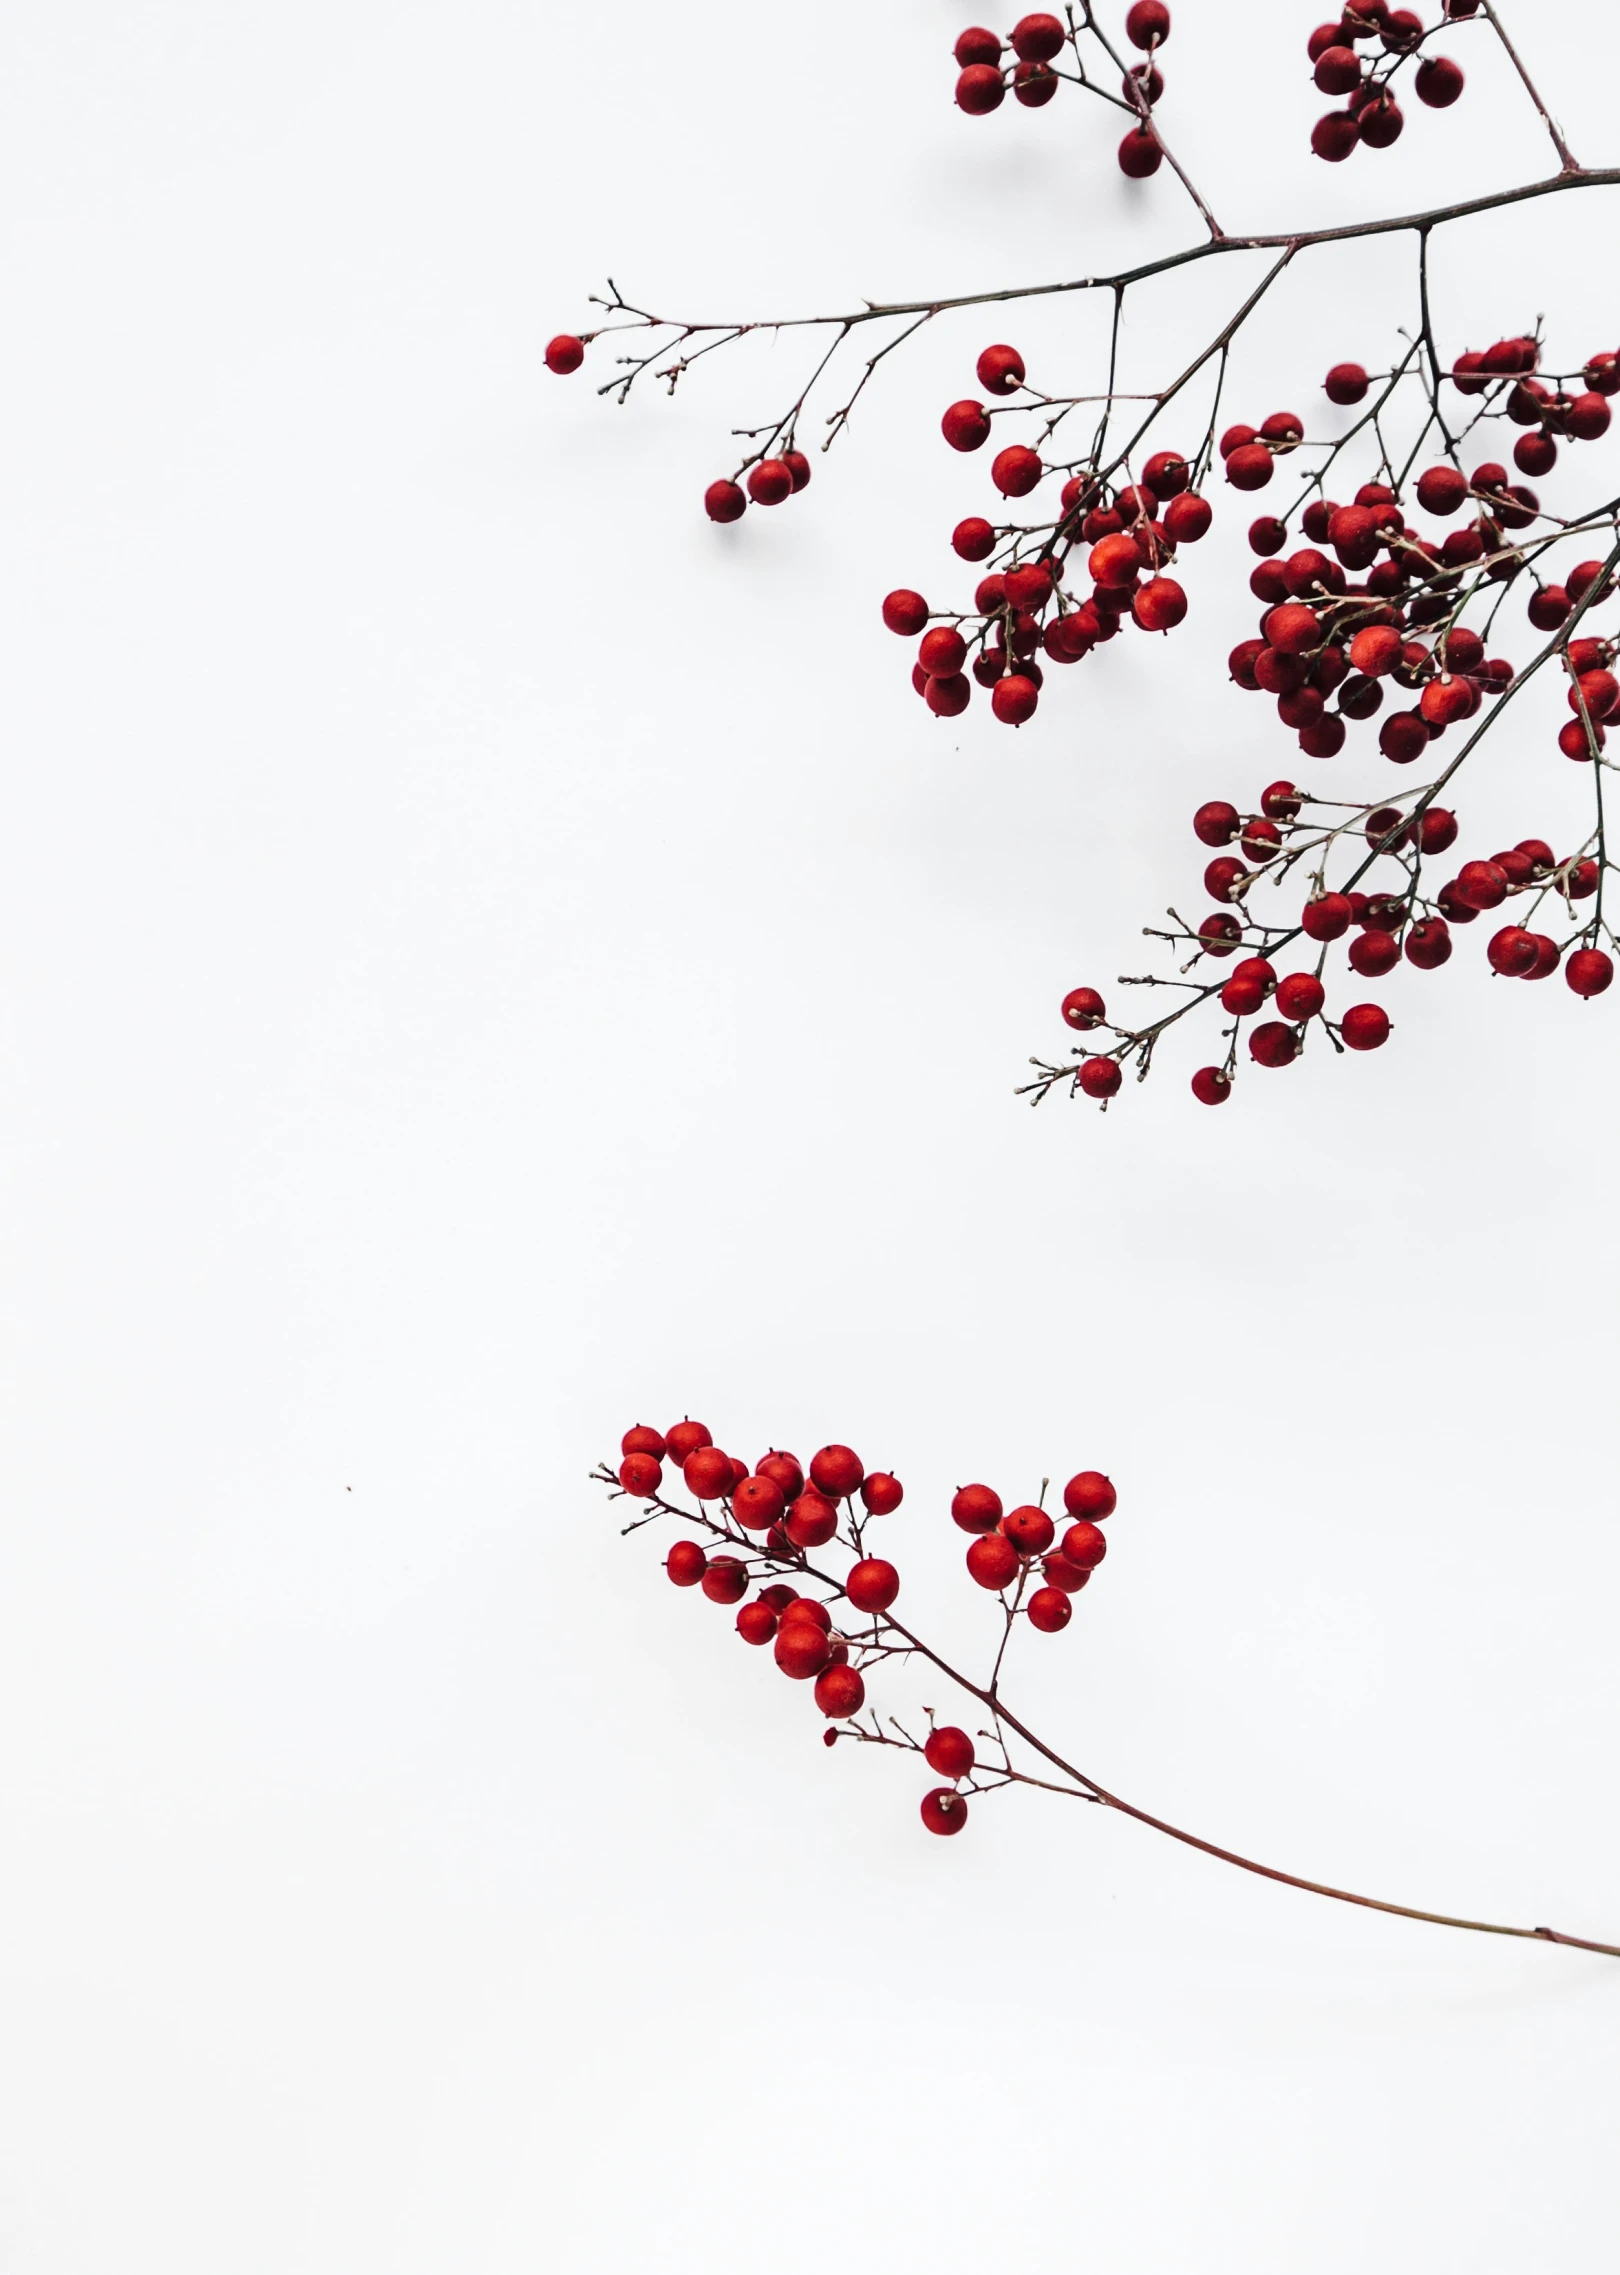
[795, 1545]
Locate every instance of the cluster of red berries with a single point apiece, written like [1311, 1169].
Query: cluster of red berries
[777, 1515]
[1129, 534]
[1036, 42]
[1381, 927]
[1371, 114]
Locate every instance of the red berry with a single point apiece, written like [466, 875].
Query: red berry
[1147, 23]
[1030, 1529]
[1250, 466]
[1346, 383]
[942, 652]
[993, 1561]
[1160, 605]
[757, 1503]
[1589, 971]
[1480, 885]
[1587, 417]
[905, 612]
[565, 354]
[840, 1692]
[802, 1650]
[640, 1474]
[1511, 952]
[1001, 370]
[966, 425]
[1273, 1044]
[1428, 944]
[1334, 136]
[1083, 1007]
[686, 1563]
[799, 467]
[1281, 801]
[1596, 691]
[1439, 82]
[1211, 1086]
[882, 1493]
[976, 1508]
[979, 90]
[1090, 1494]
[1084, 1545]
[1016, 470]
[1300, 996]
[1403, 737]
[782, 1470]
[643, 1440]
[812, 1520]
[873, 1584]
[976, 45]
[1376, 649]
[1140, 154]
[1374, 953]
[1365, 1026]
[1037, 39]
[1166, 474]
[806, 1607]
[1013, 699]
[1049, 1610]
[1034, 84]
[1548, 954]
[1187, 518]
[948, 698]
[707, 1472]
[723, 501]
[756, 1622]
[1327, 917]
[949, 1751]
[1099, 1077]
[725, 1581]
[944, 1810]
[1338, 70]
[770, 482]
[1029, 586]
[835, 1471]
[1222, 878]
[1293, 629]
[973, 539]
[1220, 933]
[685, 1438]
[1216, 823]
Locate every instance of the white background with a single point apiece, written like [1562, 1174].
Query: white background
[484, 959]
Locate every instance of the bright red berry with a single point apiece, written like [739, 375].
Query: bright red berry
[1273, 1045]
[993, 1561]
[1090, 1494]
[1083, 1008]
[980, 90]
[944, 1810]
[1589, 971]
[802, 1649]
[1147, 23]
[643, 1440]
[873, 1584]
[1016, 470]
[1346, 383]
[976, 1508]
[725, 1581]
[1084, 1544]
[882, 1493]
[723, 501]
[1211, 1086]
[1030, 1529]
[565, 354]
[966, 426]
[1099, 1077]
[1365, 1026]
[640, 1474]
[686, 1563]
[949, 1751]
[812, 1520]
[1300, 996]
[1001, 370]
[1439, 82]
[1049, 1610]
[905, 612]
[1140, 154]
[756, 1622]
[976, 45]
[685, 1438]
[942, 652]
[758, 1503]
[840, 1692]
[836, 1471]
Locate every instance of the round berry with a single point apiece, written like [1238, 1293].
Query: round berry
[1211, 1086]
[1090, 1494]
[1140, 154]
[770, 482]
[966, 426]
[1273, 1045]
[836, 1471]
[686, 1563]
[1085, 1545]
[993, 1561]
[1001, 370]
[1346, 383]
[949, 698]
[564, 354]
[1589, 971]
[840, 1692]
[782, 1470]
[980, 90]
[905, 612]
[640, 1474]
[1016, 470]
[801, 1649]
[1030, 1529]
[873, 1584]
[643, 1440]
[949, 1751]
[1049, 1610]
[725, 1581]
[1481, 885]
[1083, 1008]
[1013, 699]
[757, 1503]
[1334, 136]
[685, 1438]
[976, 1508]
[1365, 1027]
[1300, 996]
[756, 1622]
[1439, 82]
[1160, 605]
[812, 1520]
[1188, 518]
[1147, 23]
[707, 1472]
[1100, 1077]
[1511, 952]
[944, 1810]
[976, 45]
[942, 652]
[723, 501]
[882, 1493]
[973, 539]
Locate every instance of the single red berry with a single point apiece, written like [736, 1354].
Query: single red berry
[686, 1563]
[1090, 1494]
[1187, 518]
[1588, 417]
[1374, 953]
[1140, 154]
[756, 1622]
[812, 1520]
[783, 1470]
[1428, 944]
[973, 539]
[942, 652]
[1548, 957]
[1589, 971]
[1016, 470]
[1029, 586]
[1160, 605]
[944, 1810]
[966, 426]
[1216, 823]
[685, 1438]
[882, 1493]
[1327, 917]
[1511, 952]
[1250, 466]
[1293, 629]
[873, 1584]
[1338, 70]
[725, 1581]
[1099, 1077]
[1273, 1044]
[807, 1607]
[799, 467]
[905, 612]
[707, 1472]
[840, 1692]
[1376, 649]
[1037, 39]
[1481, 885]
[1300, 996]
[976, 1508]
[979, 91]
[1334, 136]
[1365, 1026]
[770, 482]
[643, 1440]
[758, 1502]
[976, 45]
[949, 1751]
[1030, 1529]
[993, 1561]
[1050, 1609]
[1083, 1008]
[801, 1650]
[1281, 801]
[1085, 1545]
[1034, 84]
[1439, 82]
[1166, 474]
[1403, 737]
[1013, 699]
[836, 1471]
[564, 354]
[1211, 1086]
[1346, 383]
[948, 698]
[640, 1474]
[723, 501]
[1001, 370]
[1220, 933]
[1147, 23]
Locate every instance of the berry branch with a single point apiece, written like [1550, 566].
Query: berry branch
[768, 1521]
